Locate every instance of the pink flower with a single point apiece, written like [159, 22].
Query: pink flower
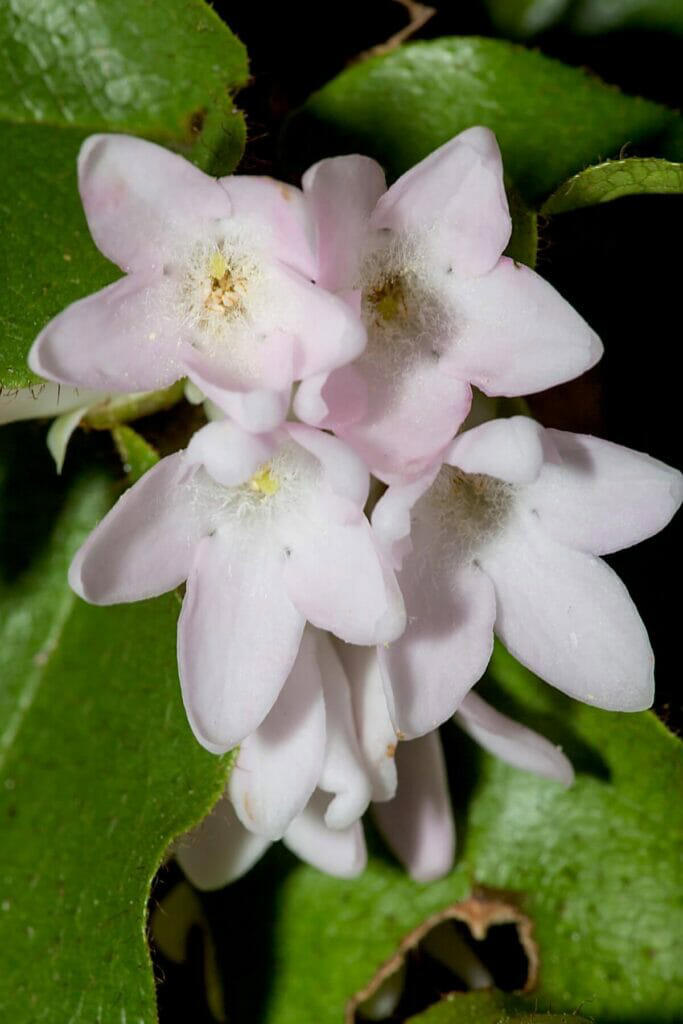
[269, 532]
[443, 308]
[219, 286]
[504, 536]
[307, 774]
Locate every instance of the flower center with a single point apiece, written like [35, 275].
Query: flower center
[263, 481]
[226, 287]
[468, 510]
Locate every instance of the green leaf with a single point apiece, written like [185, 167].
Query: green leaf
[523, 18]
[69, 69]
[551, 120]
[98, 767]
[595, 867]
[614, 179]
[520, 18]
[488, 1008]
[137, 455]
[593, 16]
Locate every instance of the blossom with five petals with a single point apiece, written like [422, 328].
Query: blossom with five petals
[218, 287]
[269, 532]
[443, 308]
[504, 535]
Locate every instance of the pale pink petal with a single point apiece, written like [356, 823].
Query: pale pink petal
[334, 576]
[600, 497]
[43, 400]
[229, 454]
[257, 411]
[145, 545]
[238, 634]
[516, 334]
[457, 190]
[568, 617]
[391, 519]
[342, 192]
[344, 773]
[411, 417]
[323, 330]
[280, 763]
[219, 850]
[119, 339]
[338, 852]
[276, 217]
[376, 735]
[139, 198]
[447, 643]
[418, 823]
[513, 742]
[331, 400]
[343, 472]
[509, 449]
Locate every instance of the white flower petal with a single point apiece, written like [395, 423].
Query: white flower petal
[279, 764]
[512, 742]
[568, 617]
[418, 822]
[238, 635]
[338, 852]
[219, 850]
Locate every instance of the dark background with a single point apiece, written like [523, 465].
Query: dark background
[618, 264]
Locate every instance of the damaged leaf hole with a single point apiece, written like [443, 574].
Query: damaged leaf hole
[483, 942]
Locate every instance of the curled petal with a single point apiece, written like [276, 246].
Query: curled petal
[139, 197]
[229, 454]
[344, 772]
[376, 735]
[509, 449]
[568, 617]
[458, 190]
[258, 410]
[331, 400]
[145, 545]
[600, 497]
[338, 852]
[118, 339]
[237, 625]
[391, 518]
[513, 742]
[418, 822]
[219, 850]
[342, 192]
[517, 335]
[280, 763]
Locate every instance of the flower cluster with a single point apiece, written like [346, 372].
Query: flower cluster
[338, 330]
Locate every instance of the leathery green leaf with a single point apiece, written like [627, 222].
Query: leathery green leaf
[98, 767]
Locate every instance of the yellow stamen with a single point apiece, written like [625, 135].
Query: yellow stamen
[217, 265]
[264, 481]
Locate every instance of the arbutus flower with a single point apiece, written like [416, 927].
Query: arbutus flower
[328, 747]
[444, 309]
[269, 532]
[504, 536]
[218, 287]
